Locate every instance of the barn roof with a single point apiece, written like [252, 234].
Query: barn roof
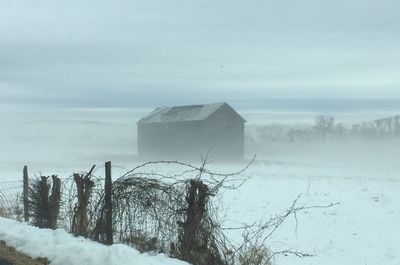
[183, 113]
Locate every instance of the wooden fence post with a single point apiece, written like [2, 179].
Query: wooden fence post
[192, 237]
[80, 219]
[26, 195]
[108, 204]
[44, 209]
[54, 202]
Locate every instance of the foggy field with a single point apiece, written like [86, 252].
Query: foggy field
[363, 176]
[63, 138]
[311, 89]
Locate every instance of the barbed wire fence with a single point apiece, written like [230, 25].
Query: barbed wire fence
[70, 204]
[10, 199]
[152, 210]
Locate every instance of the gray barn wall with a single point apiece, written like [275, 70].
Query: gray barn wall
[226, 132]
[222, 133]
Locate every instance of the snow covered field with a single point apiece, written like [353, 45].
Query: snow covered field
[362, 229]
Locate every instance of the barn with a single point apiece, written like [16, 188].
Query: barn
[188, 132]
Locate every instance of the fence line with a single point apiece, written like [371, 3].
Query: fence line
[150, 210]
[10, 202]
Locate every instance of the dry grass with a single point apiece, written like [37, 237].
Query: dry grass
[255, 256]
[4, 213]
[12, 208]
[17, 258]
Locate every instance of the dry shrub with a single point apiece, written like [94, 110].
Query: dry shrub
[4, 212]
[260, 255]
[176, 215]
[142, 242]
[11, 209]
[44, 202]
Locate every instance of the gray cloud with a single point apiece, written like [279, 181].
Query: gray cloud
[146, 53]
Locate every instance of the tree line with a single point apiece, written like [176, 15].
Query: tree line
[326, 128]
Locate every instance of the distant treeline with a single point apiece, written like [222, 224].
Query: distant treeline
[325, 128]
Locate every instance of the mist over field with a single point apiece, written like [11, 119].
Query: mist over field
[361, 174]
[75, 138]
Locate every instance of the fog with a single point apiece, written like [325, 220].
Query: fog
[59, 140]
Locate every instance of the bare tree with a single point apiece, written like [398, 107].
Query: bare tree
[270, 133]
[298, 135]
[324, 126]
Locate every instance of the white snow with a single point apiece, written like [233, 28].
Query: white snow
[363, 177]
[62, 248]
[362, 229]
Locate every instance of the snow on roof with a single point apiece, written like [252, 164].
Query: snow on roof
[181, 113]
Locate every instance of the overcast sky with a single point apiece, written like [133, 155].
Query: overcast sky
[149, 53]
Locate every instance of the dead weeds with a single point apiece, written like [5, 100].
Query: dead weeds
[17, 258]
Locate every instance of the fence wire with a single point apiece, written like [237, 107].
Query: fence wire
[11, 205]
[69, 201]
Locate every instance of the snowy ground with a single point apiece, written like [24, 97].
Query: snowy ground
[62, 248]
[363, 177]
[362, 229]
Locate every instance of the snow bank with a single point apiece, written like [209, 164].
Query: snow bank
[62, 248]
